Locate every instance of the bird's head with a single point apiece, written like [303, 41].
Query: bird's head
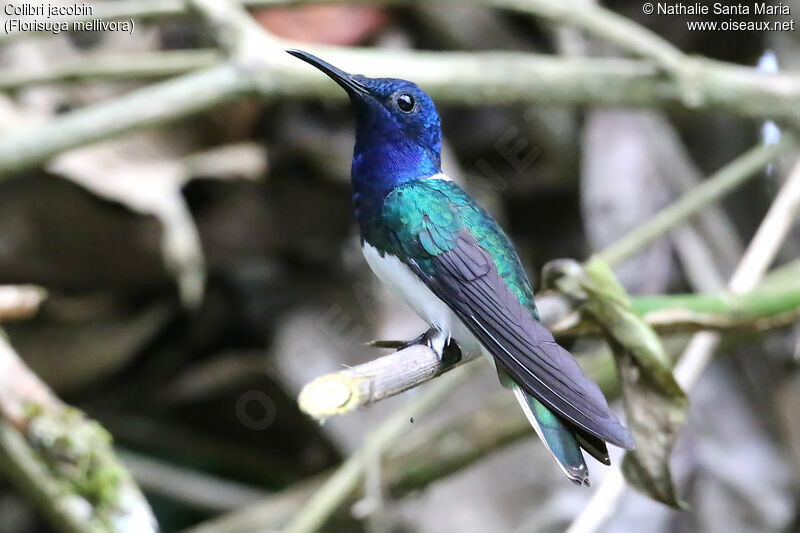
[397, 126]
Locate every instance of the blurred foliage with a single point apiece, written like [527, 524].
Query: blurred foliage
[654, 402]
[112, 232]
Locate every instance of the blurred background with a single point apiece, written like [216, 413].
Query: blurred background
[200, 270]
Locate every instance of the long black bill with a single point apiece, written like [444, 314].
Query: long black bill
[345, 80]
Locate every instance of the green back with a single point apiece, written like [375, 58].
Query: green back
[422, 219]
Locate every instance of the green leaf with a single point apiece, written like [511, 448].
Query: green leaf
[654, 402]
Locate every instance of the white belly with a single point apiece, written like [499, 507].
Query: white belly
[404, 283]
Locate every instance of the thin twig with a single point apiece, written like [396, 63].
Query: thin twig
[345, 479]
[757, 258]
[602, 23]
[595, 20]
[196, 489]
[733, 175]
[773, 305]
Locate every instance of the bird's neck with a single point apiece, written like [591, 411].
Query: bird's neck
[380, 165]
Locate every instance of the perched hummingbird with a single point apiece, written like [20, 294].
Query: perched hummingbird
[429, 242]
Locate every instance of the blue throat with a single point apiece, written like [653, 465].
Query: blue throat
[382, 163]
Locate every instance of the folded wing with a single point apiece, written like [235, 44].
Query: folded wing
[467, 280]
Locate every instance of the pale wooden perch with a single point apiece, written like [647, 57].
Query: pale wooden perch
[362, 385]
[20, 301]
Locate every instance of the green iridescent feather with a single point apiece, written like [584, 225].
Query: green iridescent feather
[559, 438]
[423, 219]
[427, 215]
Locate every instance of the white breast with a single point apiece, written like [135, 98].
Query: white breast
[404, 283]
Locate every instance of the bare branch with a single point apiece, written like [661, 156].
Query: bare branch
[419, 458]
[113, 67]
[342, 482]
[723, 182]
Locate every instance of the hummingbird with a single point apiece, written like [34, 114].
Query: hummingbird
[432, 245]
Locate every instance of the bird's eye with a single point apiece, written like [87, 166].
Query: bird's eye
[405, 102]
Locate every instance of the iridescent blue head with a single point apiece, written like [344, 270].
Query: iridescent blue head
[398, 135]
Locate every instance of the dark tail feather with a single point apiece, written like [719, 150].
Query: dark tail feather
[595, 447]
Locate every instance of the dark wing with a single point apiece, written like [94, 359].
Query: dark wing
[466, 279]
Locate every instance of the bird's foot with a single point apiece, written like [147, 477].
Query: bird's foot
[446, 348]
[451, 353]
[401, 345]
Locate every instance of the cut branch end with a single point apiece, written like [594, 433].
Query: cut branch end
[328, 395]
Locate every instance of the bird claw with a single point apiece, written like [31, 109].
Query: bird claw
[449, 355]
[402, 345]
[397, 345]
